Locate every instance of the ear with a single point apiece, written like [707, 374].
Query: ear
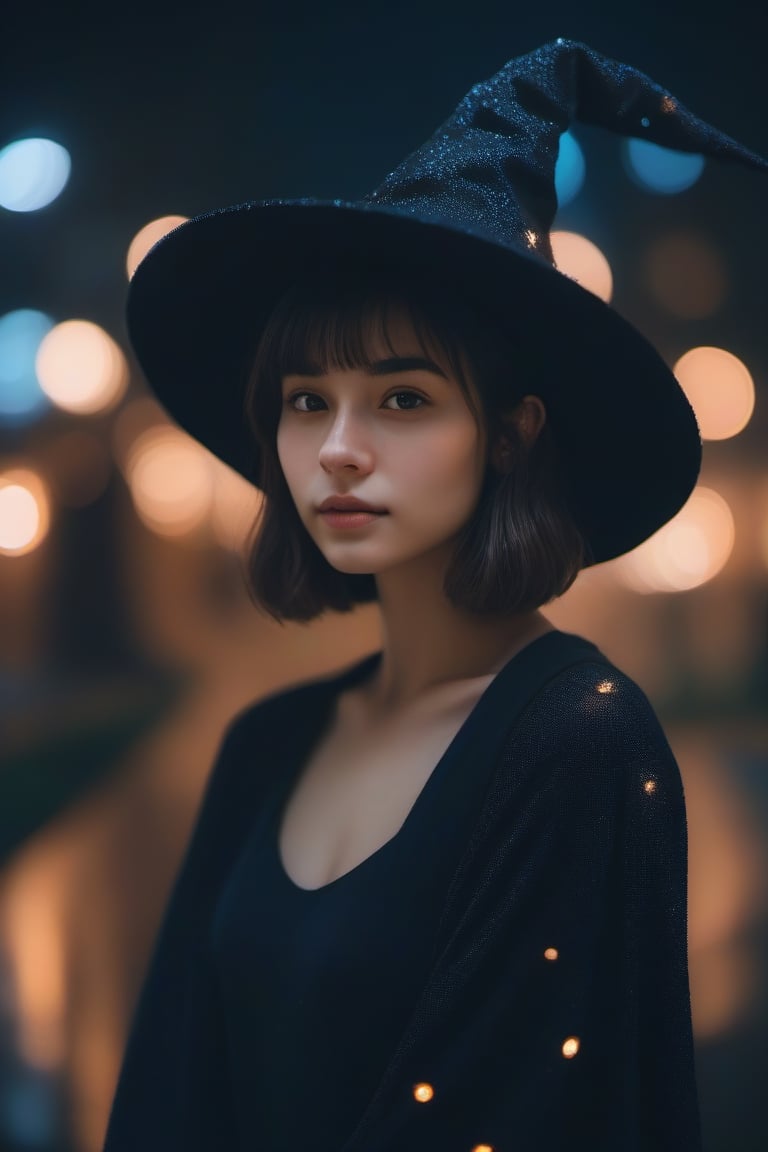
[525, 421]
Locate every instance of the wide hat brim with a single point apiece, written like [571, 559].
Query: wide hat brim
[627, 437]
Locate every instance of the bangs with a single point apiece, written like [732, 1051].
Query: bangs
[328, 323]
[341, 333]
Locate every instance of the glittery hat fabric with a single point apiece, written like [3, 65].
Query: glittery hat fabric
[476, 201]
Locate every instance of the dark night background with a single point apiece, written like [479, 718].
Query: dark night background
[181, 108]
[171, 108]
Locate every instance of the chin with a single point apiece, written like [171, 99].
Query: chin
[350, 568]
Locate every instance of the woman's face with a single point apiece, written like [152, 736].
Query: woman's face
[401, 439]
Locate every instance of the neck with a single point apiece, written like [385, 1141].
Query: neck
[428, 642]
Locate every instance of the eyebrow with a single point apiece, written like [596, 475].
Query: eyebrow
[389, 367]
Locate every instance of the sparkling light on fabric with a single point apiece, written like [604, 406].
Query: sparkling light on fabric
[490, 168]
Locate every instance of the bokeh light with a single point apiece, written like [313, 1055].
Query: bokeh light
[687, 552]
[661, 170]
[81, 368]
[569, 169]
[171, 481]
[134, 418]
[21, 398]
[763, 526]
[24, 511]
[685, 273]
[236, 504]
[32, 173]
[33, 917]
[719, 388]
[583, 261]
[146, 237]
[208, 491]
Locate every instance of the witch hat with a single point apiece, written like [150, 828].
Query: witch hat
[475, 202]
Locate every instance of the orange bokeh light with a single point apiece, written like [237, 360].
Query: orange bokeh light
[171, 481]
[80, 368]
[24, 511]
[147, 237]
[688, 551]
[720, 390]
[583, 261]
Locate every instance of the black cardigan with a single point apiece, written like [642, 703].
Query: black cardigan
[557, 1013]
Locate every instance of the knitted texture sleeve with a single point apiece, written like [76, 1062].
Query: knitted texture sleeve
[557, 1014]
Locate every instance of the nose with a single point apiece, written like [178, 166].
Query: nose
[346, 446]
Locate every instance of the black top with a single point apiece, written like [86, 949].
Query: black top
[509, 970]
[317, 986]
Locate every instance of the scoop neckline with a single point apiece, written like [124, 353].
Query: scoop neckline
[353, 675]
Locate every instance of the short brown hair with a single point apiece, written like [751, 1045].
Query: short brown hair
[519, 549]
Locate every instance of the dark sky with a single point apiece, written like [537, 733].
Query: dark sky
[179, 108]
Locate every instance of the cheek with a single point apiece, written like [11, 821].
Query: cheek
[451, 466]
[282, 439]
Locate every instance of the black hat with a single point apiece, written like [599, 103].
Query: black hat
[477, 200]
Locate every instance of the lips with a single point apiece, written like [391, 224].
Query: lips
[347, 504]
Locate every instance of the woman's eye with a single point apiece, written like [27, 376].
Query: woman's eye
[309, 402]
[409, 398]
[293, 401]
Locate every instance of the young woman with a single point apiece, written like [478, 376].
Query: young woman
[436, 900]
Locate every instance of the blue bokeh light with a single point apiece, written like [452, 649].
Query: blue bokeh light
[32, 173]
[661, 169]
[21, 398]
[569, 169]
